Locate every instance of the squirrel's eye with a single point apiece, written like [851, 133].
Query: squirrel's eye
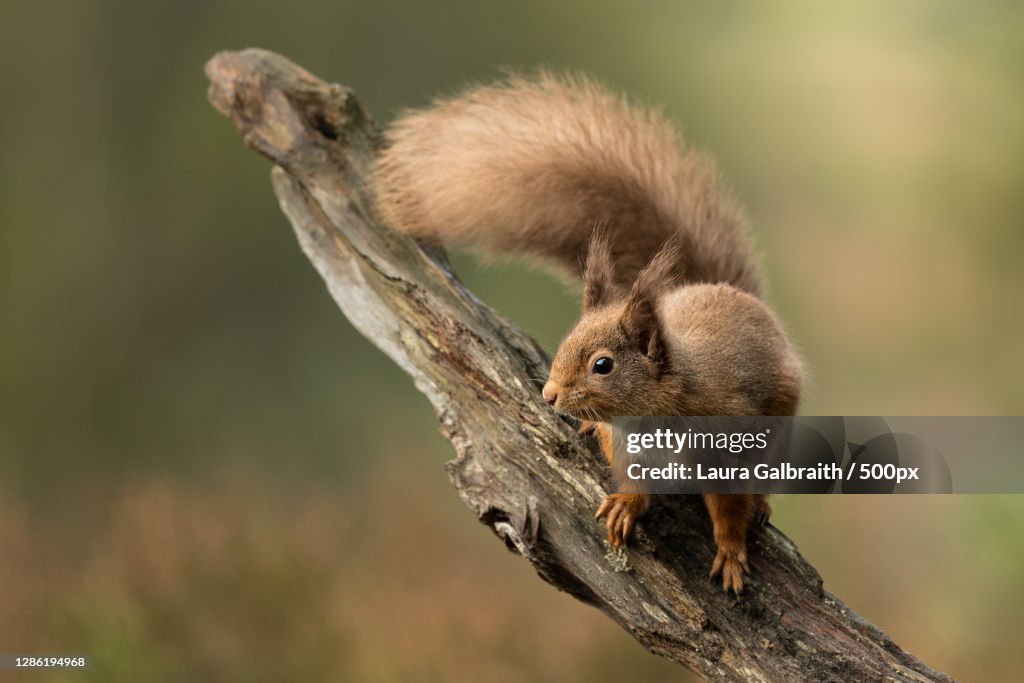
[603, 365]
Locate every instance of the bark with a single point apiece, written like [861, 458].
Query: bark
[521, 469]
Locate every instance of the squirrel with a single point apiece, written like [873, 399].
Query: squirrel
[561, 170]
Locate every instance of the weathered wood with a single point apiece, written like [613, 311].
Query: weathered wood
[525, 472]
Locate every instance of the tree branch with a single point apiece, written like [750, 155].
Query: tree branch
[525, 473]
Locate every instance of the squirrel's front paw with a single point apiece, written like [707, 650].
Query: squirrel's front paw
[731, 563]
[622, 510]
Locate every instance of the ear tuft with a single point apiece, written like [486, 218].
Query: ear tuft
[599, 286]
[639, 320]
[659, 275]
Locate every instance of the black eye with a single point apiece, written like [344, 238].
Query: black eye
[603, 365]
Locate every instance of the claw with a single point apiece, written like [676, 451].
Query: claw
[613, 516]
[716, 566]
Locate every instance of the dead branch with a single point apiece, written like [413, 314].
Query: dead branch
[524, 472]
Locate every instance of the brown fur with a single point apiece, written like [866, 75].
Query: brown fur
[704, 350]
[532, 166]
[558, 168]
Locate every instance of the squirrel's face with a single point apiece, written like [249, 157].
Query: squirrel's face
[612, 361]
[602, 369]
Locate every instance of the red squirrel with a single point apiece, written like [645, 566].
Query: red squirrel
[560, 169]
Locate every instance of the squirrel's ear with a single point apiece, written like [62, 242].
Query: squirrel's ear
[640, 324]
[639, 320]
[599, 286]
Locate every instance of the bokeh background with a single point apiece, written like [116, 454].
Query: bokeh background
[207, 475]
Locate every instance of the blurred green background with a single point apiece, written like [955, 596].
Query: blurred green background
[207, 475]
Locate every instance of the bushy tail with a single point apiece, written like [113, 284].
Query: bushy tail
[533, 166]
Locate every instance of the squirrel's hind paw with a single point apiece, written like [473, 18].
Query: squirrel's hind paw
[732, 564]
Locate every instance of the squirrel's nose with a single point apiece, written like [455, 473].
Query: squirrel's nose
[550, 392]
